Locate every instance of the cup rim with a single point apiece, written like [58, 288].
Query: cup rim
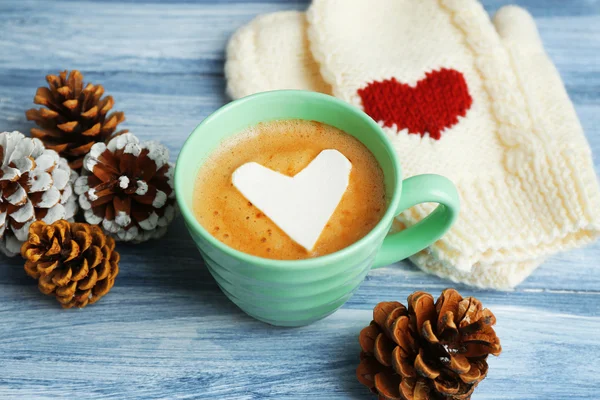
[382, 225]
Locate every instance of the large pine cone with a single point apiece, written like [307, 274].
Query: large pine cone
[127, 187]
[35, 184]
[430, 351]
[74, 118]
[74, 262]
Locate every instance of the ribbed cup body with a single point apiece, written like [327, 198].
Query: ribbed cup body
[288, 297]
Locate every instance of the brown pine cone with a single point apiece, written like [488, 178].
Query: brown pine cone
[74, 117]
[74, 262]
[430, 351]
[126, 187]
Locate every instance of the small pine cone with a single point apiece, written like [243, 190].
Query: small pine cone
[430, 351]
[35, 184]
[74, 117]
[127, 187]
[74, 262]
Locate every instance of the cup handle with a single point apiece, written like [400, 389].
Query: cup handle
[421, 189]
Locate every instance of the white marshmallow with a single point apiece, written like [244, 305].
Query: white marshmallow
[301, 206]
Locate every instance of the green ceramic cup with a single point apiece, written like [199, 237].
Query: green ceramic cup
[295, 293]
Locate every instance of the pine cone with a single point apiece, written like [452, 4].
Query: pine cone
[127, 186]
[74, 262]
[430, 351]
[35, 184]
[74, 118]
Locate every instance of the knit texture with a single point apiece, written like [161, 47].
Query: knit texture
[250, 68]
[500, 124]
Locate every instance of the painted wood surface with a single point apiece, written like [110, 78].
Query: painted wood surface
[166, 331]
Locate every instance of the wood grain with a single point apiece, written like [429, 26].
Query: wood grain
[166, 331]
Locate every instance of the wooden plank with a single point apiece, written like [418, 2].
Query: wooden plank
[166, 342]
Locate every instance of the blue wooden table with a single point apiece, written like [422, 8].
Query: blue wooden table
[165, 330]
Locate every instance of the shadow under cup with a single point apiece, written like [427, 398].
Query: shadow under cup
[286, 293]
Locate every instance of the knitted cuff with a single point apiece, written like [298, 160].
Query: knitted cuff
[260, 58]
[500, 276]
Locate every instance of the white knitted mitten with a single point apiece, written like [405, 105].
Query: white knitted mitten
[478, 102]
[260, 58]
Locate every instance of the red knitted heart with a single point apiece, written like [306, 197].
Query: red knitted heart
[432, 106]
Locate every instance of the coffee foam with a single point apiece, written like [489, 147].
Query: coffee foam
[287, 147]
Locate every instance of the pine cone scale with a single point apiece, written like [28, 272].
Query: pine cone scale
[71, 105]
[104, 270]
[65, 91]
[91, 113]
[414, 389]
[383, 349]
[402, 363]
[93, 131]
[107, 104]
[54, 248]
[89, 281]
[44, 97]
[122, 205]
[459, 364]
[68, 127]
[40, 115]
[46, 268]
[448, 302]
[21, 213]
[61, 276]
[107, 188]
[447, 388]
[394, 315]
[81, 271]
[31, 269]
[401, 334]
[472, 376]
[446, 325]
[127, 162]
[85, 241]
[67, 290]
[72, 253]
[423, 369]
[113, 121]
[388, 386]
[49, 137]
[81, 150]
[382, 310]
[106, 174]
[15, 194]
[428, 334]
[366, 371]
[367, 337]
[45, 285]
[423, 308]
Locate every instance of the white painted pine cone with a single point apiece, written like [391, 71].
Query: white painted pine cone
[126, 187]
[35, 184]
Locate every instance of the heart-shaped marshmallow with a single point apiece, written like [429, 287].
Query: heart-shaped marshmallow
[301, 205]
